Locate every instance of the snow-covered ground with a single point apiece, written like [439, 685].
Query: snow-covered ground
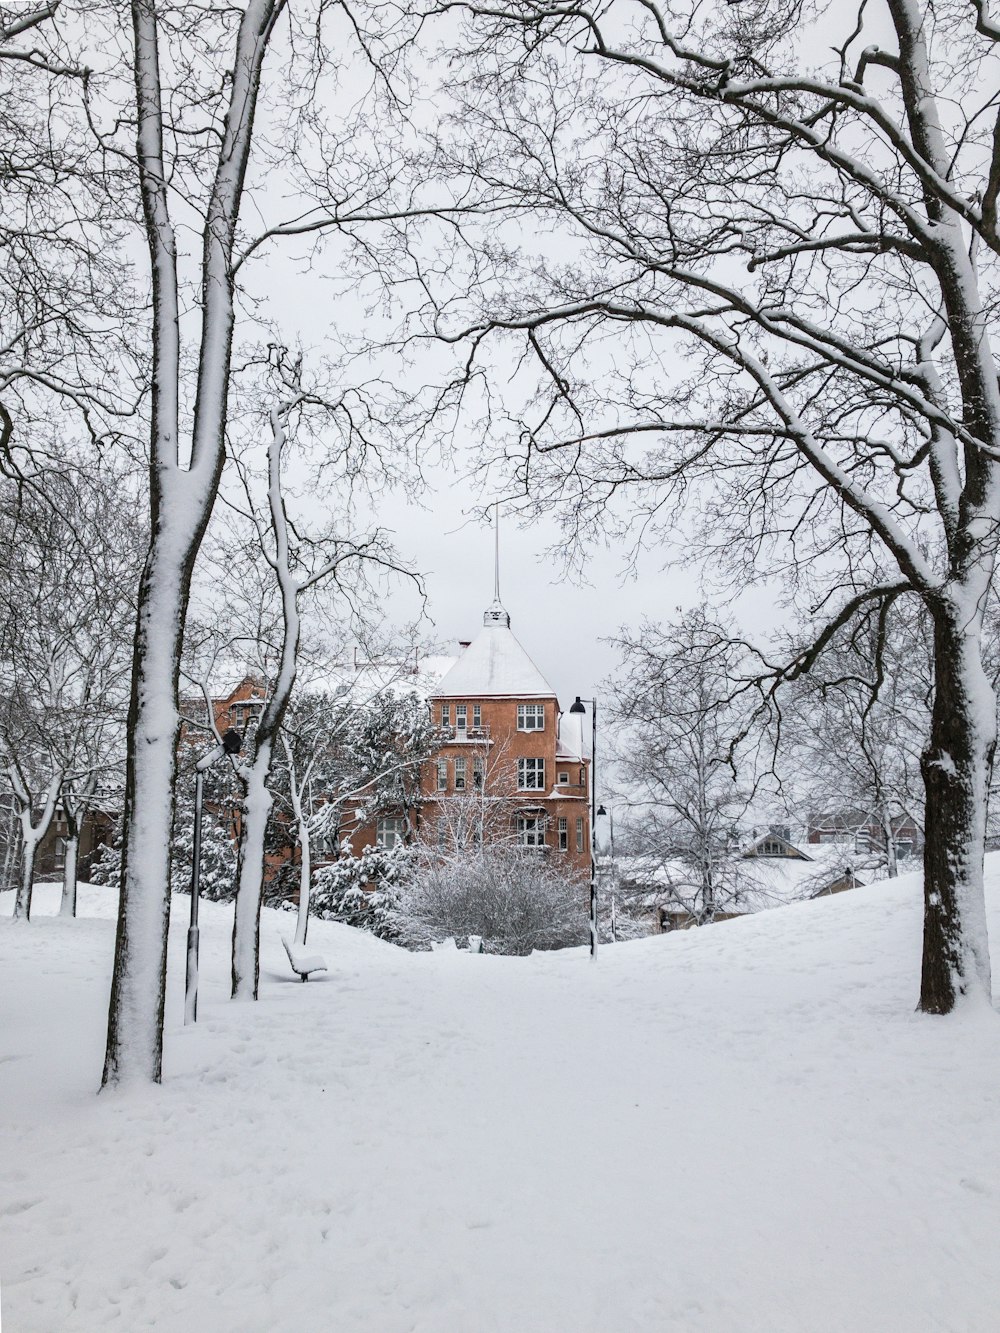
[734, 1129]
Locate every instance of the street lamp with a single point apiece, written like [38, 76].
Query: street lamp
[231, 744]
[610, 814]
[578, 707]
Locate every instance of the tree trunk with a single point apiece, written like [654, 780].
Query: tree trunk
[957, 766]
[68, 905]
[891, 859]
[138, 989]
[22, 904]
[305, 874]
[250, 878]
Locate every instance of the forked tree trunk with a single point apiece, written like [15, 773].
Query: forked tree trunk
[22, 903]
[138, 989]
[250, 877]
[957, 766]
[31, 835]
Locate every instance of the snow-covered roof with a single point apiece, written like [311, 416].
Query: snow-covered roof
[759, 882]
[494, 664]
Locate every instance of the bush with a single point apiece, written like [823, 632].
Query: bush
[516, 899]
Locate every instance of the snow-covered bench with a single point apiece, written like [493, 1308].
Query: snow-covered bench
[303, 963]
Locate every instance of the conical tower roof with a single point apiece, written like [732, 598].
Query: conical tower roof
[494, 664]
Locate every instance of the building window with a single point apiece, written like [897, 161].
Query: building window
[479, 772]
[583, 777]
[531, 717]
[446, 715]
[442, 831]
[462, 716]
[477, 715]
[442, 774]
[531, 830]
[246, 715]
[389, 831]
[531, 775]
[579, 835]
[460, 773]
[563, 835]
[563, 779]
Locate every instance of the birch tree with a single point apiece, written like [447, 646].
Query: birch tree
[744, 256]
[201, 78]
[299, 564]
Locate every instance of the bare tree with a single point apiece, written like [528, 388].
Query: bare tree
[200, 90]
[853, 734]
[70, 561]
[680, 716]
[299, 564]
[68, 354]
[716, 265]
[351, 757]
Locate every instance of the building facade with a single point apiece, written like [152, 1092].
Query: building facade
[508, 766]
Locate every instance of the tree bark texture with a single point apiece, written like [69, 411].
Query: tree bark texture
[957, 766]
[249, 878]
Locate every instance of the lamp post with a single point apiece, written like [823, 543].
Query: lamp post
[578, 707]
[231, 744]
[610, 813]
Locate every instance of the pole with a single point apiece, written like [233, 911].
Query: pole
[593, 828]
[191, 981]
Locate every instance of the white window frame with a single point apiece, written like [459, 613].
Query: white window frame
[389, 830]
[478, 772]
[477, 715]
[563, 779]
[531, 830]
[563, 829]
[531, 778]
[531, 717]
[580, 843]
[442, 775]
[460, 773]
[446, 715]
[462, 717]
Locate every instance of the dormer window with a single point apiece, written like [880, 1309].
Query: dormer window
[531, 717]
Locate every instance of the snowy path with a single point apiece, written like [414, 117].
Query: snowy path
[744, 1128]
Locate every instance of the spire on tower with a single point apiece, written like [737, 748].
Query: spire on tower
[496, 552]
[495, 614]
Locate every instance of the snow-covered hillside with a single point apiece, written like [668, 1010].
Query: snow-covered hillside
[734, 1129]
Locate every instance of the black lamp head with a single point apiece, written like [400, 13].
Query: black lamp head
[232, 741]
[577, 706]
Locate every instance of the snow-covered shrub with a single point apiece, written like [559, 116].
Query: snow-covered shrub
[363, 890]
[516, 899]
[218, 855]
[106, 863]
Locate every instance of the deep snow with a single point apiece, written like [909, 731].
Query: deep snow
[735, 1129]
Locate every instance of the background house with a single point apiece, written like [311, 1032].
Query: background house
[507, 762]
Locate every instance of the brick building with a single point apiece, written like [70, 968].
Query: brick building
[508, 763]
